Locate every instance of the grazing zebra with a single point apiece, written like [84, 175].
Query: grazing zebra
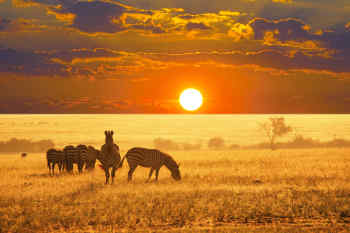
[109, 156]
[92, 154]
[72, 155]
[55, 157]
[154, 159]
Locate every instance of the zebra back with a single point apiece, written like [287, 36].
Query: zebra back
[83, 153]
[53, 155]
[72, 154]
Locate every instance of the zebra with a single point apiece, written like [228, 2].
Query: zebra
[109, 156]
[152, 158]
[83, 154]
[55, 157]
[72, 155]
[92, 154]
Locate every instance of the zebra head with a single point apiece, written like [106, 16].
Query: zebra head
[174, 169]
[109, 137]
[176, 174]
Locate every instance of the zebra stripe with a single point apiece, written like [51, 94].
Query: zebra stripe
[54, 157]
[109, 156]
[83, 153]
[73, 156]
[152, 158]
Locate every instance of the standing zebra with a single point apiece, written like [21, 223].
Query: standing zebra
[83, 154]
[109, 156]
[92, 154]
[154, 159]
[55, 157]
[72, 155]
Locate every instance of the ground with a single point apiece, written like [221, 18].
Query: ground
[221, 191]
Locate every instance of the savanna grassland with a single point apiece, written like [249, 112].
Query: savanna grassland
[221, 191]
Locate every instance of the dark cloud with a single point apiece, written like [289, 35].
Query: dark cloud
[94, 17]
[29, 64]
[335, 43]
[284, 29]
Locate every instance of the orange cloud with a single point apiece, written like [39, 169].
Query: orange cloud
[283, 1]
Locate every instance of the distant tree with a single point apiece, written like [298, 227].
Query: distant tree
[165, 144]
[216, 143]
[274, 128]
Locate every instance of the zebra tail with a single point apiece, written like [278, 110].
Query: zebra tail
[121, 162]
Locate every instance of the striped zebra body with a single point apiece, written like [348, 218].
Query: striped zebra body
[92, 155]
[83, 153]
[109, 156]
[55, 157]
[152, 158]
[72, 155]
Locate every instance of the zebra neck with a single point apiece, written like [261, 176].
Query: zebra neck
[169, 166]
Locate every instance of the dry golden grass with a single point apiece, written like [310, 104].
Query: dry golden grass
[221, 191]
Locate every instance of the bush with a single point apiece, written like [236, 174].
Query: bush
[216, 143]
[25, 145]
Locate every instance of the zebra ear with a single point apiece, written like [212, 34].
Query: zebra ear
[106, 132]
[112, 132]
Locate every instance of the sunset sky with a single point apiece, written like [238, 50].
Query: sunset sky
[137, 56]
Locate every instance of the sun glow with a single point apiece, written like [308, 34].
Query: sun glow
[191, 99]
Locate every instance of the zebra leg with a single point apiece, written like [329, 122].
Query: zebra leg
[53, 168]
[60, 166]
[49, 165]
[131, 171]
[80, 167]
[107, 174]
[157, 173]
[113, 173]
[150, 174]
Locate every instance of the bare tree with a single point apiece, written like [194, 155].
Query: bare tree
[274, 128]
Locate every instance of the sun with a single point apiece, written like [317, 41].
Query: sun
[191, 99]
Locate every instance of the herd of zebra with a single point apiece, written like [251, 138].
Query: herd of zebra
[109, 157]
[81, 155]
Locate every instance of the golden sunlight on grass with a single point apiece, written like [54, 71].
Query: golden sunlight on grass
[191, 99]
[221, 191]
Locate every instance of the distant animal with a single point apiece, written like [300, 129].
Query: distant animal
[73, 156]
[152, 158]
[54, 157]
[23, 155]
[109, 156]
[92, 155]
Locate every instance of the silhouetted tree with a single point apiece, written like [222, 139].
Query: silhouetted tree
[275, 127]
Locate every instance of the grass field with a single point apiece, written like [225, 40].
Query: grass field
[221, 191]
